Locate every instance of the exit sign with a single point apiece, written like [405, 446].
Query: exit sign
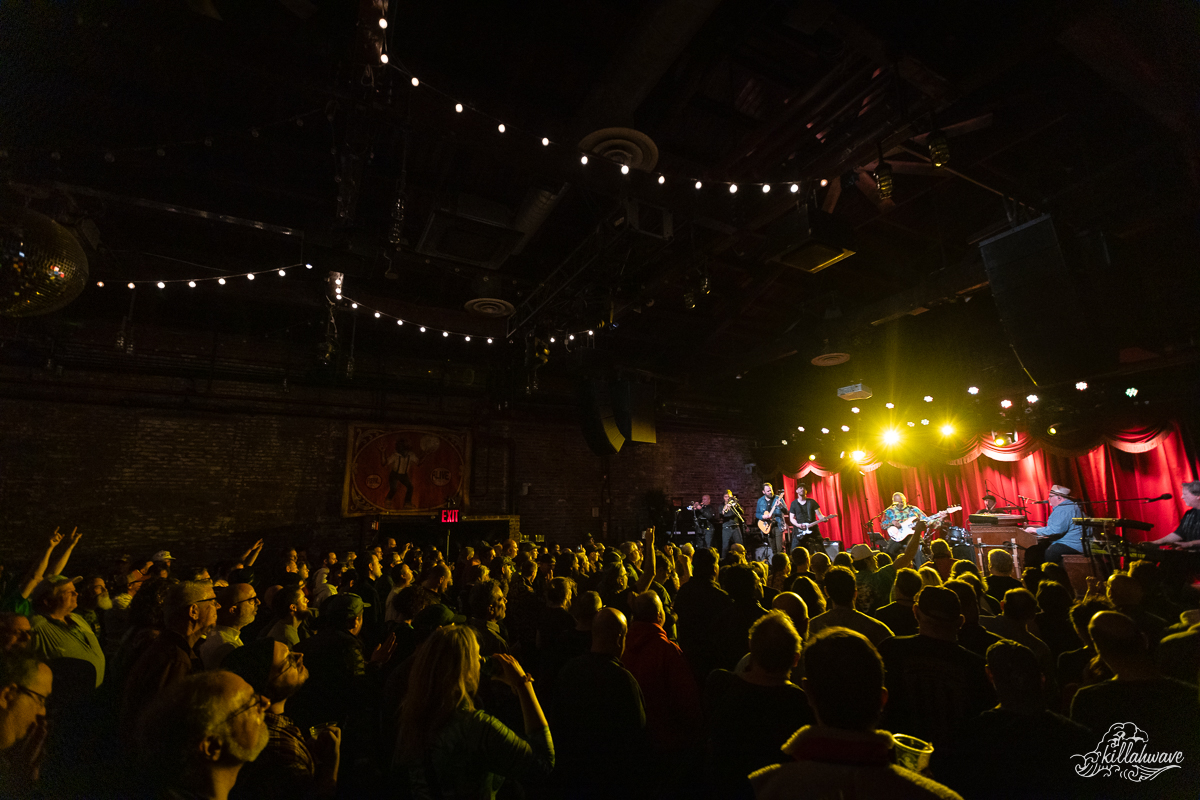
[450, 515]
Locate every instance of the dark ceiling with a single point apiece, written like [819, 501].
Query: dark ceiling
[278, 113]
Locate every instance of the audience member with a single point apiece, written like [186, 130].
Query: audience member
[731, 628]
[58, 632]
[796, 609]
[875, 581]
[293, 765]
[807, 590]
[933, 683]
[291, 617]
[401, 577]
[752, 712]
[446, 747]
[1052, 623]
[487, 605]
[898, 614]
[698, 604]
[16, 633]
[843, 754]
[971, 634]
[198, 733]
[1000, 574]
[818, 565]
[238, 607]
[670, 692]
[1019, 609]
[25, 687]
[1127, 597]
[1020, 730]
[842, 588]
[94, 604]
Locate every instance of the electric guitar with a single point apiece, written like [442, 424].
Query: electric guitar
[764, 525]
[898, 533]
[803, 526]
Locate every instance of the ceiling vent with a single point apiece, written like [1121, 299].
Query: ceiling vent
[490, 307]
[471, 230]
[625, 146]
[807, 239]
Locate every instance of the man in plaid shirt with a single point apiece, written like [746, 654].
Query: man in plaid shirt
[294, 764]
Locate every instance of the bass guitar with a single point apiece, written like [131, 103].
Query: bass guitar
[803, 526]
[898, 533]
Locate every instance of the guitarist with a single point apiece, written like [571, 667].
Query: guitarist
[897, 514]
[804, 510]
[769, 510]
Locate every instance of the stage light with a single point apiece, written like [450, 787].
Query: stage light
[889, 405]
[812, 456]
[972, 390]
[947, 429]
[912, 424]
[1052, 430]
[1001, 441]
[800, 428]
[854, 410]
[783, 441]
[1081, 386]
[924, 422]
[845, 429]
[928, 399]
[1032, 398]
[857, 455]
[891, 437]
[1131, 392]
[1006, 403]
[823, 430]
[824, 182]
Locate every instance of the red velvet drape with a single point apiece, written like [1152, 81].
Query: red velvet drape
[1144, 463]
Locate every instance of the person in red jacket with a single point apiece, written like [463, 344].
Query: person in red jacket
[668, 686]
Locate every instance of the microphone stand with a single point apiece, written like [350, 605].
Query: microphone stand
[869, 531]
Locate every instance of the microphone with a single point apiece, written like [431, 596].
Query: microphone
[1039, 502]
[1165, 496]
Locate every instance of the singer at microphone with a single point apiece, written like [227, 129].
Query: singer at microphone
[1061, 535]
[1187, 535]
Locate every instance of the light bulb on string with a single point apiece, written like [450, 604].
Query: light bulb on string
[624, 169]
[308, 266]
[1081, 386]
[399, 322]
[551, 340]
[1006, 403]
[130, 285]
[467, 338]
[733, 188]
[972, 390]
[445, 334]
[221, 281]
[583, 160]
[500, 127]
[383, 58]
[662, 179]
[162, 285]
[383, 23]
[545, 142]
[795, 188]
[766, 188]
[571, 337]
[699, 184]
[824, 430]
[824, 182]
[191, 284]
[489, 341]
[250, 277]
[100, 284]
[591, 333]
[800, 428]
[415, 82]
[1031, 398]
[282, 273]
[458, 107]
[422, 329]
[845, 429]
[354, 305]
[376, 315]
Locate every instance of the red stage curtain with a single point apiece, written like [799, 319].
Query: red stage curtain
[1140, 463]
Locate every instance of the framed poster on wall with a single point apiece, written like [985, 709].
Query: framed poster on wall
[405, 470]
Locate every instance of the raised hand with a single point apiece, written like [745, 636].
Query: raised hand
[55, 538]
[511, 671]
[74, 537]
[383, 652]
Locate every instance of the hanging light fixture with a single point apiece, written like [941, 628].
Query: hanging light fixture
[883, 176]
[939, 149]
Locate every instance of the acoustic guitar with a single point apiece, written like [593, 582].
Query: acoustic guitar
[898, 533]
[764, 525]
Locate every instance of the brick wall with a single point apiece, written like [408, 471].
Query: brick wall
[205, 475]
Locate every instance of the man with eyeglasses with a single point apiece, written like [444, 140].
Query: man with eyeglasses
[239, 606]
[25, 685]
[295, 763]
[16, 633]
[190, 611]
[58, 632]
[198, 734]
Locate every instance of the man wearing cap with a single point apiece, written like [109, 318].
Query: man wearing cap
[1060, 536]
[294, 764]
[163, 558]
[58, 632]
[239, 606]
[874, 584]
[933, 683]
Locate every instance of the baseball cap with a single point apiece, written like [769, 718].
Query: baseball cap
[51, 582]
[162, 555]
[940, 603]
[437, 616]
[343, 607]
[861, 551]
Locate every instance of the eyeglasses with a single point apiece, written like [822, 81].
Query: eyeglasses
[41, 698]
[212, 600]
[250, 599]
[256, 702]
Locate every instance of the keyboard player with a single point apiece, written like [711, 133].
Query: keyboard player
[989, 505]
[1187, 535]
[1060, 536]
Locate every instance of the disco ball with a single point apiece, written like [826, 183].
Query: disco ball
[42, 266]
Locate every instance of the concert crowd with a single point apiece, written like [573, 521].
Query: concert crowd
[647, 669]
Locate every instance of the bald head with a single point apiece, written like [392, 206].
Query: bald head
[608, 632]
[1116, 636]
[1123, 590]
[793, 605]
[647, 607]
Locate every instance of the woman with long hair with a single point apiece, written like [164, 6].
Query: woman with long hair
[449, 750]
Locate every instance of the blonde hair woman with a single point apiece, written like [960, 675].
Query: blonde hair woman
[449, 749]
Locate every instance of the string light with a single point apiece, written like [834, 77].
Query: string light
[383, 23]
[857, 455]
[445, 334]
[308, 266]
[924, 422]
[489, 341]
[733, 188]
[468, 338]
[766, 188]
[282, 273]
[661, 180]
[845, 429]
[912, 424]
[1032, 398]
[422, 329]
[624, 169]
[500, 127]
[699, 184]
[250, 277]
[377, 317]
[889, 405]
[191, 284]
[100, 284]
[383, 58]
[1006, 403]
[162, 285]
[551, 340]
[354, 305]
[545, 142]
[1131, 392]
[800, 428]
[591, 333]
[131, 285]
[972, 390]
[795, 188]
[824, 430]
[854, 410]
[928, 399]
[571, 337]
[583, 160]
[1081, 386]
[219, 280]
[458, 107]
[415, 82]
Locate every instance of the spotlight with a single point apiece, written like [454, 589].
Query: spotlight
[1081, 386]
[823, 430]
[912, 424]
[1032, 398]
[889, 405]
[812, 456]
[857, 455]
[1006, 403]
[883, 179]
[845, 429]
[842, 454]
[783, 441]
[854, 410]
[824, 182]
[939, 149]
[1001, 441]
[1052, 430]
[947, 429]
[924, 422]
[1131, 392]
[928, 399]
[891, 437]
[800, 428]
[972, 390]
